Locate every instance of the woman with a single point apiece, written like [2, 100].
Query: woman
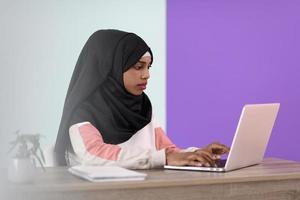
[108, 119]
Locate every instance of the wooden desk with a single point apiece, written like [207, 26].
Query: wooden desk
[273, 179]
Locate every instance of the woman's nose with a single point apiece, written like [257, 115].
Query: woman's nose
[146, 74]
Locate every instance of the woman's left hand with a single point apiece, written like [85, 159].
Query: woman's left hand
[215, 149]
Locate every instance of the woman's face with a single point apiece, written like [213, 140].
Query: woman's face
[135, 78]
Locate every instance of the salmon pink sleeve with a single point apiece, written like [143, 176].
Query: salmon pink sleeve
[163, 142]
[89, 147]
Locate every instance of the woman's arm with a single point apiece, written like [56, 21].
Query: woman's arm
[192, 156]
[90, 148]
[163, 142]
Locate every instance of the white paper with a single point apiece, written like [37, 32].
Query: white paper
[105, 173]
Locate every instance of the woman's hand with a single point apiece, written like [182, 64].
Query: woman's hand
[189, 158]
[216, 149]
[207, 156]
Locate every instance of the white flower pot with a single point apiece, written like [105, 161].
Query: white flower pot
[21, 170]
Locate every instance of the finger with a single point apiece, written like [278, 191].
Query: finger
[205, 151]
[195, 163]
[208, 154]
[198, 158]
[205, 158]
[209, 161]
[219, 148]
[224, 149]
[211, 155]
[212, 147]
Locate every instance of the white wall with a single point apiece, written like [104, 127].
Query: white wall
[40, 43]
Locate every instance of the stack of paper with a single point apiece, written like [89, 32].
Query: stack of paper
[105, 173]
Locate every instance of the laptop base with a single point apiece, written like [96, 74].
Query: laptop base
[191, 168]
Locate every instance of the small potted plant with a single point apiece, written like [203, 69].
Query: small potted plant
[22, 166]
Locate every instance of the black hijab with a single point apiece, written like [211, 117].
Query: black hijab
[97, 94]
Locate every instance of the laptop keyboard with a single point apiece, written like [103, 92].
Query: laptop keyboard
[221, 163]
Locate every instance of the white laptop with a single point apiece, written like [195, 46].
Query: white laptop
[250, 140]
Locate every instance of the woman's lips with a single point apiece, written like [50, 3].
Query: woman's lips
[142, 86]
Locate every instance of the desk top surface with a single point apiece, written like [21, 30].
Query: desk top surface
[271, 169]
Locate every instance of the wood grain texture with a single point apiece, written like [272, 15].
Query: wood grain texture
[273, 179]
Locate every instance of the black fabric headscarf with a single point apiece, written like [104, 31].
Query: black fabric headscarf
[97, 94]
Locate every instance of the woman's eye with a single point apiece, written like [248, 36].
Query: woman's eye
[138, 67]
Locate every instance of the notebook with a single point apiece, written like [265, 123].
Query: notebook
[106, 173]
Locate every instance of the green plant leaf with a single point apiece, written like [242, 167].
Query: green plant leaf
[36, 156]
[42, 154]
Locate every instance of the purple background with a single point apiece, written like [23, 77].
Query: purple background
[224, 54]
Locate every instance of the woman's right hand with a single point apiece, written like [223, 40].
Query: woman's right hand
[197, 158]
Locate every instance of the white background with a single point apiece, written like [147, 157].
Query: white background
[39, 45]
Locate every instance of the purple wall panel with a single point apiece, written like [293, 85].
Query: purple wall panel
[224, 54]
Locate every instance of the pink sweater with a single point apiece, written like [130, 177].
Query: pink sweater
[144, 150]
